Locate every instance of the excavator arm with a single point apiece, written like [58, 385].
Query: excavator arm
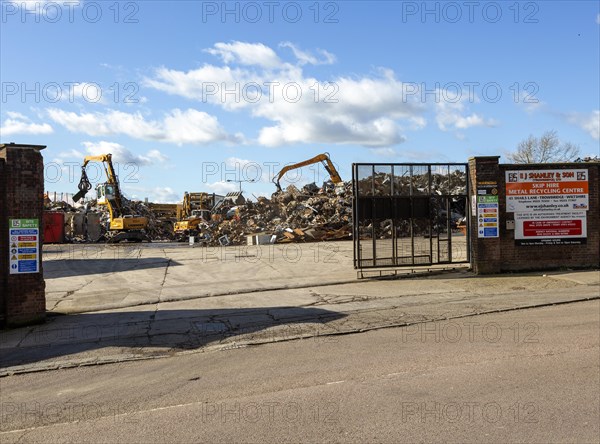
[112, 179]
[127, 226]
[106, 160]
[323, 158]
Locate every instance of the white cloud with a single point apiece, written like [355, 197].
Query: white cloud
[122, 155]
[206, 84]
[31, 3]
[222, 187]
[51, 9]
[79, 155]
[126, 163]
[33, 6]
[110, 123]
[246, 54]
[164, 195]
[305, 57]
[530, 103]
[250, 170]
[366, 111]
[156, 156]
[362, 111]
[236, 162]
[589, 123]
[598, 19]
[425, 155]
[384, 152]
[88, 92]
[450, 116]
[15, 115]
[417, 123]
[371, 111]
[192, 126]
[17, 123]
[178, 127]
[154, 195]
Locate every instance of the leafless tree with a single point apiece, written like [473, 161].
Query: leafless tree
[545, 149]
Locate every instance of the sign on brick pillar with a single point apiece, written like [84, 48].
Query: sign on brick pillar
[485, 214]
[23, 197]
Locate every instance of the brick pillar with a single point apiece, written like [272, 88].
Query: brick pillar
[22, 191]
[485, 252]
[3, 243]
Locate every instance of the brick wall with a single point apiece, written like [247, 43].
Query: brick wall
[23, 198]
[3, 242]
[491, 255]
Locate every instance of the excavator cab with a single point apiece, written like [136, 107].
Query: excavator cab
[105, 192]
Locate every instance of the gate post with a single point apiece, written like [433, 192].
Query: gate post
[22, 286]
[484, 171]
[3, 242]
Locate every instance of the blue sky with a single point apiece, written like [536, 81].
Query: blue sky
[189, 94]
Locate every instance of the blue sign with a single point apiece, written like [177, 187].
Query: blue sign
[24, 238]
[492, 232]
[14, 232]
[27, 266]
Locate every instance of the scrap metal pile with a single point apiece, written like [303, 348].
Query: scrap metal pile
[294, 215]
[384, 184]
[430, 194]
[88, 222]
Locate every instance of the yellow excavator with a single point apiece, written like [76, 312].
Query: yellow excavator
[323, 158]
[196, 208]
[123, 225]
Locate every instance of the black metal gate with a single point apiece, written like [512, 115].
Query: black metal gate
[410, 214]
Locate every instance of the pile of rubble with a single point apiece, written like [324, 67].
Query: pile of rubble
[158, 229]
[419, 183]
[294, 215]
[308, 214]
[88, 222]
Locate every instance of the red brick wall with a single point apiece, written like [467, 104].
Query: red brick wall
[23, 196]
[502, 254]
[3, 242]
[515, 257]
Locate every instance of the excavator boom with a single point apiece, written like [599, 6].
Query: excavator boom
[106, 160]
[323, 158]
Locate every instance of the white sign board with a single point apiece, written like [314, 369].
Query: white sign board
[487, 216]
[546, 190]
[24, 246]
[551, 228]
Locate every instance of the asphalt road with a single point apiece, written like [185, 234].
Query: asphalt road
[522, 376]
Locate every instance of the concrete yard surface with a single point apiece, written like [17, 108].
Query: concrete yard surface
[161, 306]
[81, 278]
